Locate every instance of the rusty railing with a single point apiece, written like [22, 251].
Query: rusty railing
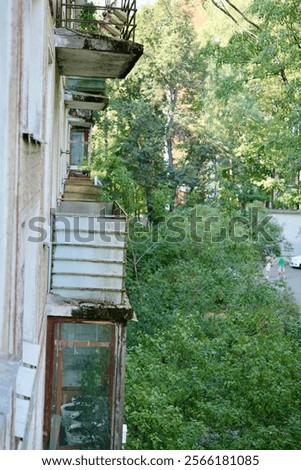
[115, 18]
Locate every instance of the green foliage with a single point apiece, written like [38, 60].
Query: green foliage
[147, 123]
[220, 118]
[88, 18]
[214, 360]
[253, 101]
[128, 150]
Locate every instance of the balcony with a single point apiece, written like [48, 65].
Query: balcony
[87, 310]
[96, 40]
[88, 257]
[115, 18]
[86, 85]
[86, 93]
[80, 118]
[80, 188]
[80, 100]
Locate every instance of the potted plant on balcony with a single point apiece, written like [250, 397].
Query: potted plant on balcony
[88, 19]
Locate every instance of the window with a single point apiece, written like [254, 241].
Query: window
[33, 70]
[79, 384]
[79, 147]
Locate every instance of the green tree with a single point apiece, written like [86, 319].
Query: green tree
[148, 122]
[129, 149]
[254, 80]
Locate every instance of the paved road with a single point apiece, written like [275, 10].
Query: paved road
[293, 278]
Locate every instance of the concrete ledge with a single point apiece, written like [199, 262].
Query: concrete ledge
[83, 55]
[80, 100]
[58, 307]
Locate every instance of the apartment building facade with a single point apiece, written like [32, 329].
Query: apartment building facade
[63, 305]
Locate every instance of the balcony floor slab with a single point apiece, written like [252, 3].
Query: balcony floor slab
[80, 54]
[58, 307]
[79, 100]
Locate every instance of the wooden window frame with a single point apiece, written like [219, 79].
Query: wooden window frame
[116, 374]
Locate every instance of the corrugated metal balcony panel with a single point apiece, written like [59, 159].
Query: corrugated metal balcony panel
[101, 209]
[111, 239]
[90, 295]
[89, 281]
[78, 181]
[87, 223]
[84, 187]
[101, 268]
[88, 256]
[74, 197]
[88, 253]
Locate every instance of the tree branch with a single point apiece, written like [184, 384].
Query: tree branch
[281, 71]
[226, 12]
[243, 15]
[294, 35]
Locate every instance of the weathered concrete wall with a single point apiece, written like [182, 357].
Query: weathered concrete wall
[9, 133]
[32, 133]
[10, 19]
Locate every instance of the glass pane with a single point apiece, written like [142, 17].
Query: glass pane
[78, 150]
[87, 332]
[83, 374]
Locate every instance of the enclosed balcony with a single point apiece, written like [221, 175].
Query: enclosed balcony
[80, 118]
[89, 248]
[86, 93]
[87, 310]
[86, 85]
[79, 151]
[84, 389]
[96, 40]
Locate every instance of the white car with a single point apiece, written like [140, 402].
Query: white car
[295, 262]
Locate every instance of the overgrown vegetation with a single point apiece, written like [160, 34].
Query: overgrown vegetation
[214, 360]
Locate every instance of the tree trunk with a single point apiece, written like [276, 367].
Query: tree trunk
[169, 143]
[149, 204]
[106, 134]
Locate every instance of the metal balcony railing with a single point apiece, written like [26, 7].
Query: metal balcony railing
[115, 18]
